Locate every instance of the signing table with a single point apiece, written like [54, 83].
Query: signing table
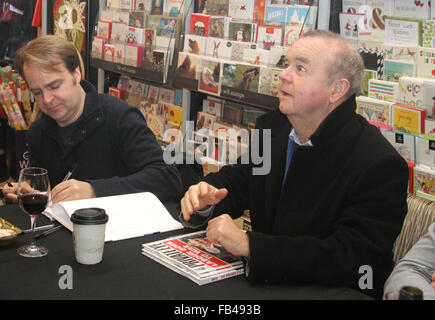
[124, 273]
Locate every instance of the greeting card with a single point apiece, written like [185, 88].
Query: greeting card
[218, 26]
[143, 5]
[209, 80]
[278, 57]
[116, 92]
[218, 48]
[238, 47]
[411, 91]
[426, 62]
[205, 120]
[174, 7]
[127, 4]
[199, 24]
[169, 27]
[134, 35]
[301, 14]
[106, 14]
[429, 97]
[118, 32]
[293, 31]
[418, 9]
[384, 90]
[377, 112]
[104, 29]
[429, 127]
[216, 7]
[256, 56]
[349, 25]
[166, 95]
[241, 76]
[133, 55]
[399, 52]
[112, 4]
[376, 13]
[275, 14]
[156, 124]
[240, 31]
[408, 119]
[188, 65]
[109, 52]
[268, 36]
[121, 16]
[394, 69]
[426, 151]
[269, 81]
[403, 143]
[153, 94]
[137, 19]
[175, 114]
[119, 53]
[352, 6]
[241, 9]
[424, 181]
[428, 31]
[403, 32]
[259, 10]
[157, 7]
[97, 47]
[195, 44]
[231, 113]
[212, 107]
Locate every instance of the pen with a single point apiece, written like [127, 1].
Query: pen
[68, 175]
[49, 231]
[48, 226]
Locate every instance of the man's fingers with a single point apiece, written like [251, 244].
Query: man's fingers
[220, 194]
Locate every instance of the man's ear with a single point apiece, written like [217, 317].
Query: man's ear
[340, 88]
[77, 75]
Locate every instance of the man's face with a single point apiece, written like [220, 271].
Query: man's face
[304, 91]
[58, 93]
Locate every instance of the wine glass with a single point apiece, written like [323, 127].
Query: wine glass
[33, 196]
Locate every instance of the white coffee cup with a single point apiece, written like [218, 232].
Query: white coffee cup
[89, 226]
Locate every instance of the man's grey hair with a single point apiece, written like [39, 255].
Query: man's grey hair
[347, 64]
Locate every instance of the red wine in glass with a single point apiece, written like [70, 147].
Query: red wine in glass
[33, 203]
[33, 193]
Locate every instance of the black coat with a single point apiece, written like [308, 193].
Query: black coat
[112, 146]
[341, 208]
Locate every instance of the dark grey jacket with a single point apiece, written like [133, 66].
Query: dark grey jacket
[112, 146]
[341, 207]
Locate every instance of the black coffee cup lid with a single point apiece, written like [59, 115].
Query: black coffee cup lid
[89, 216]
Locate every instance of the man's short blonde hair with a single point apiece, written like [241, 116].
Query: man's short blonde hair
[48, 52]
[347, 62]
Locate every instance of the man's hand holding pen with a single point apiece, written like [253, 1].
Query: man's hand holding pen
[68, 189]
[72, 190]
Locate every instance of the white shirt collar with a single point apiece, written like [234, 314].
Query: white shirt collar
[295, 137]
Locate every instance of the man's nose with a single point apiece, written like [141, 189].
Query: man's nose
[46, 97]
[285, 75]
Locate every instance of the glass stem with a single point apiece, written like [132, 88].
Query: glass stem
[33, 224]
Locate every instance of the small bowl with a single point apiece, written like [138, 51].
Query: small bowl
[7, 232]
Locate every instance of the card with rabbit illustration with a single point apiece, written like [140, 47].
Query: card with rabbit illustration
[218, 48]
